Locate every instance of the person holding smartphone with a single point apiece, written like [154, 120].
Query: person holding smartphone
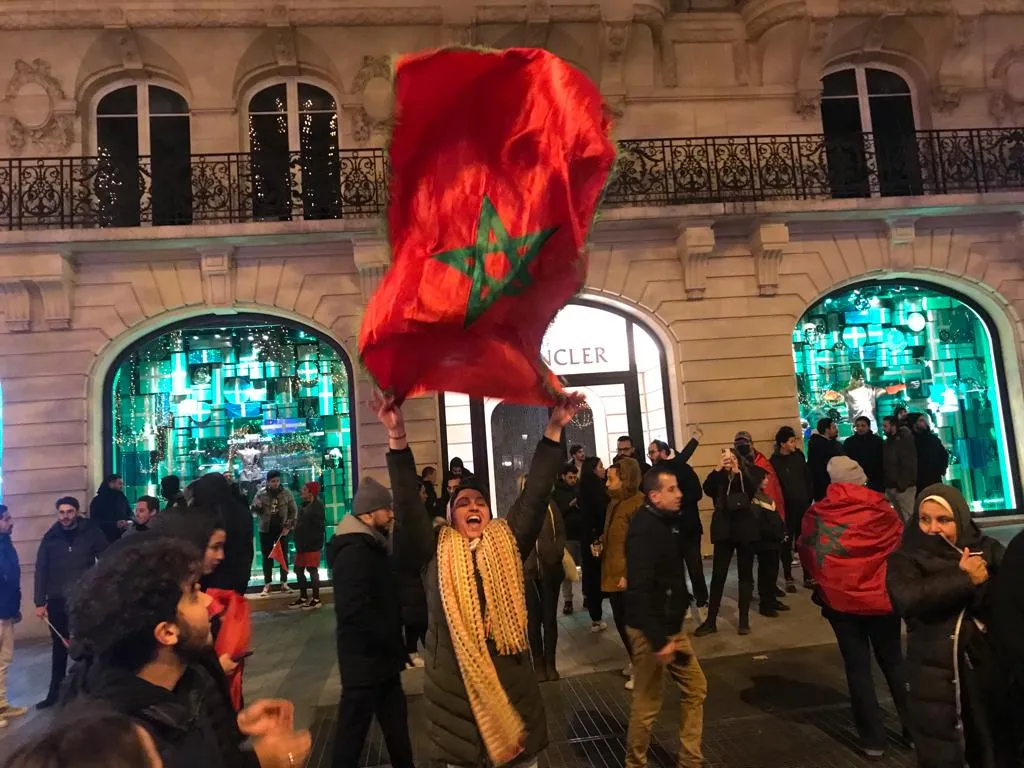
[732, 486]
[940, 583]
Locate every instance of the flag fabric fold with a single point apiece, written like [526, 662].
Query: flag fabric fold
[277, 554]
[846, 539]
[498, 162]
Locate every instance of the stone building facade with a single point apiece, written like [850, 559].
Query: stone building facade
[776, 155]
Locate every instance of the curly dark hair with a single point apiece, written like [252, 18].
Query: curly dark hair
[136, 586]
[91, 736]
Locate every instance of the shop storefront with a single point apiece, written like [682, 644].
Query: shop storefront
[879, 346]
[612, 358]
[241, 396]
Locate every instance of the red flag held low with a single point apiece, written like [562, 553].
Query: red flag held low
[498, 163]
[278, 556]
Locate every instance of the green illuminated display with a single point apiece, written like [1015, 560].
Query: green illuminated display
[918, 348]
[241, 399]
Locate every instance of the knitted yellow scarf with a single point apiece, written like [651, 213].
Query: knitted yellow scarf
[501, 572]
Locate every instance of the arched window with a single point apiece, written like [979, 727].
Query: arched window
[871, 142]
[144, 142]
[293, 145]
[878, 346]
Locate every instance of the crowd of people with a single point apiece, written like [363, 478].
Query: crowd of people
[152, 607]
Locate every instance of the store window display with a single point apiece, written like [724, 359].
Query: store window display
[878, 347]
[243, 398]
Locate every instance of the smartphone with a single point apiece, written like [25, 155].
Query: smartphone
[241, 657]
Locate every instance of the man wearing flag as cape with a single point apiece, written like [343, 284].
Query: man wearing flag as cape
[498, 159]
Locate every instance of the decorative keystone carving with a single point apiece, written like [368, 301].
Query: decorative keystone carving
[1007, 102]
[694, 247]
[538, 24]
[457, 34]
[808, 84]
[371, 68]
[372, 259]
[128, 46]
[51, 276]
[37, 111]
[616, 40]
[767, 244]
[902, 233]
[948, 91]
[216, 265]
[284, 47]
[17, 305]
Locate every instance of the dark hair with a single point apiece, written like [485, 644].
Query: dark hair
[865, 419]
[448, 480]
[590, 466]
[661, 445]
[824, 424]
[69, 500]
[456, 462]
[170, 487]
[625, 437]
[652, 479]
[894, 420]
[273, 474]
[784, 434]
[112, 478]
[86, 736]
[575, 447]
[120, 601]
[569, 469]
[426, 471]
[151, 501]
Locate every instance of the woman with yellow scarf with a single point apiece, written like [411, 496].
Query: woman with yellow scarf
[483, 704]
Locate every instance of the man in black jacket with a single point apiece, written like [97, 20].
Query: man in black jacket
[656, 604]
[66, 552]
[899, 462]
[371, 649]
[866, 448]
[109, 508]
[566, 498]
[142, 634]
[821, 449]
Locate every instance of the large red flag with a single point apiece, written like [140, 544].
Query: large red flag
[847, 538]
[498, 163]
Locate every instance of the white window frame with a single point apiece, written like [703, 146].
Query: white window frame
[863, 97]
[291, 106]
[142, 115]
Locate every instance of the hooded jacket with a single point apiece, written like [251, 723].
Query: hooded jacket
[939, 604]
[107, 508]
[10, 579]
[899, 460]
[310, 527]
[545, 561]
[367, 605]
[214, 493]
[794, 478]
[932, 458]
[625, 501]
[63, 556]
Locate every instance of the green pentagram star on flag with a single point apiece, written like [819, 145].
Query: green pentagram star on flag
[492, 238]
[825, 540]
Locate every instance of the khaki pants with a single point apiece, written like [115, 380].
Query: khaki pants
[6, 655]
[648, 681]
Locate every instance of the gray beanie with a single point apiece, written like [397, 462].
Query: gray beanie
[843, 469]
[370, 497]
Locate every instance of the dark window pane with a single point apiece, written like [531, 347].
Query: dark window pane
[273, 99]
[118, 188]
[842, 83]
[271, 175]
[321, 173]
[892, 123]
[170, 170]
[163, 101]
[882, 81]
[313, 99]
[844, 147]
[123, 101]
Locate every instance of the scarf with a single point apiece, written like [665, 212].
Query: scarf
[499, 566]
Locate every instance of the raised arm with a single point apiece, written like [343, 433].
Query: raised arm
[527, 514]
[414, 532]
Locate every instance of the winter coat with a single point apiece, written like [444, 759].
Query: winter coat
[774, 489]
[310, 527]
[868, 451]
[899, 461]
[433, 505]
[625, 501]
[689, 484]
[212, 491]
[452, 732]
[821, 450]
[567, 501]
[263, 507]
[10, 579]
[797, 487]
[1008, 640]
[738, 527]
[367, 605]
[193, 725]
[593, 504]
[945, 648]
[107, 508]
[545, 561]
[64, 556]
[656, 594]
[932, 459]
[412, 592]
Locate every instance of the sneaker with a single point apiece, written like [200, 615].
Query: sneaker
[628, 671]
[629, 684]
[769, 612]
[540, 671]
[743, 630]
[781, 606]
[709, 627]
[285, 589]
[790, 586]
[779, 592]
[265, 592]
[598, 626]
[567, 608]
[553, 675]
[9, 711]
[809, 584]
[874, 754]
[417, 660]
[312, 605]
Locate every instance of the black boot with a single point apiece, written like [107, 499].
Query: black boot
[746, 595]
[710, 625]
[540, 670]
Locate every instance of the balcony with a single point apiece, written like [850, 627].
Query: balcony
[92, 192]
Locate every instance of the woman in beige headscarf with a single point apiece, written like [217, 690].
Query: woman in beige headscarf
[483, 704]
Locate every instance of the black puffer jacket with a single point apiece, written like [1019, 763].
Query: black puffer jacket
[795, 478]
[213, 492]
[939, 604]
[64, 556]
[451, 727]
[739, 527]
[310, 525]
[689, 513]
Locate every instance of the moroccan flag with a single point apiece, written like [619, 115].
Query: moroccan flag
[234, 633]
[277, 553]
[498, 162]
[846, 539]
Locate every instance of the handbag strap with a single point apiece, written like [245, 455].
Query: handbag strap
[728, 489]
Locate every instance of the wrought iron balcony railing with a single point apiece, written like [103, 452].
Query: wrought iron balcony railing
[125, 191]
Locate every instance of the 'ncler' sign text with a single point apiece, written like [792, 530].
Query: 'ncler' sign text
[574, 356]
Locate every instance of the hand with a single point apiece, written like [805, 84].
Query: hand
[666, 654]
[696, 432]
[228, 664]
[622, 583]
[566, 409]
[388, 414]
[41, 612]
[122, 524]
[283, 749]
[258, 501]
[266, 716]
[974, 566]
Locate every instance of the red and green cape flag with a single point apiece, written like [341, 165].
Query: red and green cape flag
[846, 539]
[498, 163]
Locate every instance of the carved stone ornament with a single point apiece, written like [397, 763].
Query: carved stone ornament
[694, 247]
[371, 68]
[766, 246]
[807, 104]
[1006, 104]
[216, 265]
[36, 111]
[44, 280]
[371, 110]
